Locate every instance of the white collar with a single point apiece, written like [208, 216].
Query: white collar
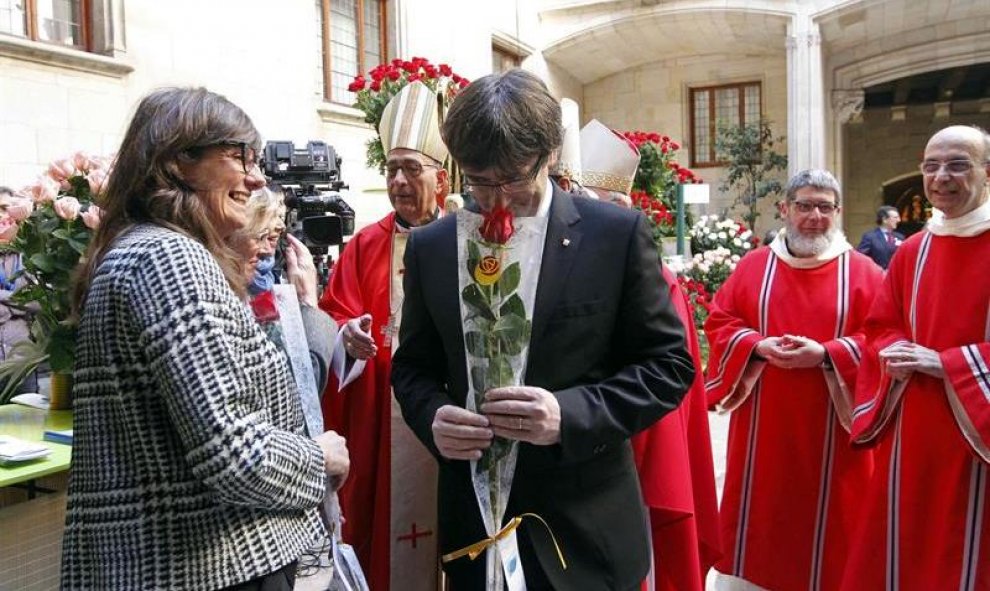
[779, 247]
[544, 209]
[970, 224]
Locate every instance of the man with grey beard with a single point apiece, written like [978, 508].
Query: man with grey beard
[786, 339]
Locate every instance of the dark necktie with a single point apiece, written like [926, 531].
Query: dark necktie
[890, 238]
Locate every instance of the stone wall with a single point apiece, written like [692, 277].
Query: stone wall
[879, 149]
[656, 97]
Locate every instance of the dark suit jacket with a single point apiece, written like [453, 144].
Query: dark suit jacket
[606, 341]
[874, 245]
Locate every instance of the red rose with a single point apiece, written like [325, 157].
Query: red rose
[430, 71]
[376, 85]
[409, 67]
[414, 77]
[377, 74]
[445, 70]
[264, 308]
[356, 85]
[394, 75]
[496, 227]
[675, 146]
[463, 83]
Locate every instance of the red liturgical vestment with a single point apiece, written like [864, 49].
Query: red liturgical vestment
[793, 483]
[677, 475]
[389, 498]
[927, 522]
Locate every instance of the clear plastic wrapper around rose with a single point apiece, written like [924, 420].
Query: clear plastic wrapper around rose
[497, 285]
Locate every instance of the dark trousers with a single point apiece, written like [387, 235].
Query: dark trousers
[284, 579]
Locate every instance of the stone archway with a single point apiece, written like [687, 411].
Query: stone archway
[906, 193]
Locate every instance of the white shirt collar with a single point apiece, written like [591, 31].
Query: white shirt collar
[544, 209]
[838, 246]
[970, 224]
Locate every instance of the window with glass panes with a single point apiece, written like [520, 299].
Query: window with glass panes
[62, 22]
[353, 42]
[728, 104]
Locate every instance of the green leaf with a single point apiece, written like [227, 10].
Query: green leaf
[476, 344]
[499, 372]
[43, 262]
[474, 298]
[478, 380]
[509, 280]
[513, 307]
[474, 257]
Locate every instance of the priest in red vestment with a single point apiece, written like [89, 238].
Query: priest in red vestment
[786, 341]
[674, 456]
[389, 499]
[923, 398]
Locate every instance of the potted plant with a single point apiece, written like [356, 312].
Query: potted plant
[386, 80]
[56, 217]
[655, 186]
[751, 165]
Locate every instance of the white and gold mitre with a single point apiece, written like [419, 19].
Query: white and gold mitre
[568, 163]
[608, 160]
[412, 120]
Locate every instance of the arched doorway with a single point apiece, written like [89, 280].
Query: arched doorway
[907, 194]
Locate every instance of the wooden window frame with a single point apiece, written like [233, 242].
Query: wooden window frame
[713, 161]
[31, 26]
[327, 44]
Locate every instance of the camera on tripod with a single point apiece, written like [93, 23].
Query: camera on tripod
[315, 212]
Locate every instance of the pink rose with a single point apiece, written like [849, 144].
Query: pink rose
[61, 170]
[97, 178]
[92, 217]
[67, 208]
[43, 191]
[8, 229]
[19, 208]
[82, 161]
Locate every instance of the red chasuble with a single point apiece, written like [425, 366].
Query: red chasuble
[677, 476]
[389, 498]
[928, 521]
[793, 483]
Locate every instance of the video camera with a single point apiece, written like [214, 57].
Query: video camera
[316, 214]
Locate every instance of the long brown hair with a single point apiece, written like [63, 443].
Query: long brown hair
[146, 185]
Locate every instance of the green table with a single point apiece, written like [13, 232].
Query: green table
[30, 424]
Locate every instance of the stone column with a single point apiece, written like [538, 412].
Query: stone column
[805, 95]
[847, 107]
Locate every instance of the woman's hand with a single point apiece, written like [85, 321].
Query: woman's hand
[336, 459]
[301, 271]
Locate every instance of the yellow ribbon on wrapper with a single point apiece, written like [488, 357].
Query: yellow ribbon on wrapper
[474, 550]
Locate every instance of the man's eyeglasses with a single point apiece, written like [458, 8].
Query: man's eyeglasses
[509, 187]
[808, 206]
[410, 168]
[957, 167]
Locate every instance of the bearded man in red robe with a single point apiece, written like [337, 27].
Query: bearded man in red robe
[389, 500]
[923, 398]
[786, 338]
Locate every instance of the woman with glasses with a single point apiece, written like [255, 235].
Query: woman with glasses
[190, 466]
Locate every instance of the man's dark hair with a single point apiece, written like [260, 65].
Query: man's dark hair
[6, 190]
[884, 212]
[503, 121]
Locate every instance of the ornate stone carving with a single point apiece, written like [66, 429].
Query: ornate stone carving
[847, 104]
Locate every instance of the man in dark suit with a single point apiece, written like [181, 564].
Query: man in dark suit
[880, 243]
[606, 357]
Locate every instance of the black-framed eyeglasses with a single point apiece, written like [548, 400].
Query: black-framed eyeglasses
[507, 187]
[410, 168]
[245, 154]
[808, 206]
[957, 167]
